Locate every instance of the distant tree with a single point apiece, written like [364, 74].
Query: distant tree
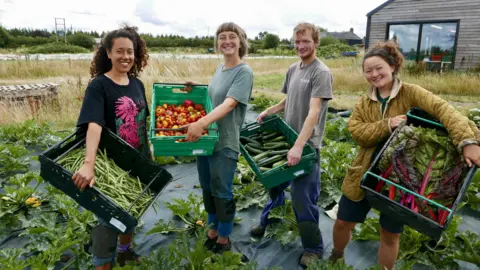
[82, 40]
[5, 38]
[322, 29]
[271, 41]
[261, 35]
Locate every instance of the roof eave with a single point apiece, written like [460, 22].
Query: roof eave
[379, 8]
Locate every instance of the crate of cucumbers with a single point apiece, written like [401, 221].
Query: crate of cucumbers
[265, 147]
[418, 177]
[126, 182]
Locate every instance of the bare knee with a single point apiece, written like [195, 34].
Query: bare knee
[344, 225]
[389, 239]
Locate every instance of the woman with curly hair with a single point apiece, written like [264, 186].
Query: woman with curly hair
[373, 120]
[114, 99]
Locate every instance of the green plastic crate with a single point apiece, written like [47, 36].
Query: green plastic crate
[282, 174]
[167, 145]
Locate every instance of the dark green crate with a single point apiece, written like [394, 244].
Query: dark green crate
[399, 212]
[282, 174]
[167, 145]
[125, 156]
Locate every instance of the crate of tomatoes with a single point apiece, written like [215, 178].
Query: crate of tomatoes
[173, 108]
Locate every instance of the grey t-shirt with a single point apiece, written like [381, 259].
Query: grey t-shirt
[301, 84]
[237, 83]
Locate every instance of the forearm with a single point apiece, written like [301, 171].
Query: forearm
[93, 139]
[277, 108]
[307, 129]
[218, 113]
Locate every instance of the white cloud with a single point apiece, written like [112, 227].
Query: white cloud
[189, 17]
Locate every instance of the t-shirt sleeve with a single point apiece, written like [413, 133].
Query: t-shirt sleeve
[285, 82]
[322, 85]
[242, 85]
[93, 107]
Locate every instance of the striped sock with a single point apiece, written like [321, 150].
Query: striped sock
[123, 248]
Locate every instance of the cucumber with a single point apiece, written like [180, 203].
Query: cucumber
[247, 140]
[268, 132]
[264, 169]
[262, 160]
[260, 156]
[253, 150]
[278, 152]
[270, 160]
[272, 146]
[271, 136]
[277, 139]
[279, 163]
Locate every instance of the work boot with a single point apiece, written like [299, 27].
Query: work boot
[257, 231]
[128, 255]
[335, 256]
[210, 242]
[220, 248]
[308, 258]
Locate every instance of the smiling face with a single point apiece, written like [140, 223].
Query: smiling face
[122, 55]
[378, 72]
[304, 44]
[228, 43]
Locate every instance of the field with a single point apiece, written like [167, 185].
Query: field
[461, 89]
[41, 215]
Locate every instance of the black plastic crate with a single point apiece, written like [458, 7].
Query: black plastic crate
[125, 156]
[399, 212]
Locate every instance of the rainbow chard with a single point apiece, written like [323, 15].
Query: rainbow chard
[426, 177]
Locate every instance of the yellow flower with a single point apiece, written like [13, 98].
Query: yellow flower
[37, 204]
[199, 223]
[31, 200]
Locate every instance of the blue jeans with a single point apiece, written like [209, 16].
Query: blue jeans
[216, 173]
[305, 191]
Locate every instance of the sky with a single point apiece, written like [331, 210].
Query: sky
[189, 17]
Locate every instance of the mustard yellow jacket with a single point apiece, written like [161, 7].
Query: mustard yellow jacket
[369, 127]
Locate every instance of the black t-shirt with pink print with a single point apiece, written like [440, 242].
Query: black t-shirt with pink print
[121, 108]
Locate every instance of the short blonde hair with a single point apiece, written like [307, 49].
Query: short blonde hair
[232, 27]
[303, 26]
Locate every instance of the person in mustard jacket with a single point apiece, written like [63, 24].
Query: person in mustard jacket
[373, 120]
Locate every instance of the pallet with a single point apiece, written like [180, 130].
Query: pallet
[33, 93]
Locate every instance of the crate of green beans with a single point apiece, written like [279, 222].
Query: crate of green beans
[126, 182]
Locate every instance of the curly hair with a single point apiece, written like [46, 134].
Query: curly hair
[389, 52]
[101, 64]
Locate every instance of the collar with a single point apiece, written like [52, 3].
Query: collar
[397, 84]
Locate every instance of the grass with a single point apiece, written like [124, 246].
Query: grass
[461, 89]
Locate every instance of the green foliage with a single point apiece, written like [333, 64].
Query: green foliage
[56, 47]
[261, 103]
[328, 40]
[5, 38]
[474, 115]
[271, 41]
[81, 40]
[334, 50]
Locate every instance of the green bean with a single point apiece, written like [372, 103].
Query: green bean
[112, 181]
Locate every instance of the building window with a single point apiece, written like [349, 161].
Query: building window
[430, 42]
[406, 35]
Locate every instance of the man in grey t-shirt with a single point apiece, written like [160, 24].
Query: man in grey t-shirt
[308, 86]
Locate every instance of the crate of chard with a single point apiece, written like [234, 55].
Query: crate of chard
[173, 108]
[126, 182]
[418, 178]
[265, 147]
